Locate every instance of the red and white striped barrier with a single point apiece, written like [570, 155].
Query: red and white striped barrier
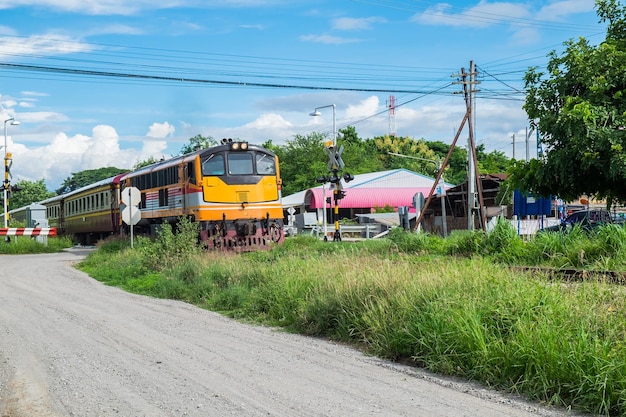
[28, 231]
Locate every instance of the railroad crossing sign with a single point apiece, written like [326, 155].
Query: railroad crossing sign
[334, 158]
[131, 196]
[131, 213]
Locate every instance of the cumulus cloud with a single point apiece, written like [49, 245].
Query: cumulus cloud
[64, 155]
[269, 120]
[365, 108]
[160, 130]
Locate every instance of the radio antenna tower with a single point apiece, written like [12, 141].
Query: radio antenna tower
[392, 115]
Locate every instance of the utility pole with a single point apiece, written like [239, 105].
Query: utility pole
[513, 137]
[470, 94]
[528, 143]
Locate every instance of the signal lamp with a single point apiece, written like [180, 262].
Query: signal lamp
[348, 177]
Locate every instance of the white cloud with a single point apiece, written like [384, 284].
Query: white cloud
[481, 15]
[126, 7]
[34, 94]
[269, 120]
[560, 10]
[50, 44]
[365, 108]
[160, 130]
[328, 39]
[351, 23]
[65, 154]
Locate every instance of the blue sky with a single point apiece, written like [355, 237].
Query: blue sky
[98, 83]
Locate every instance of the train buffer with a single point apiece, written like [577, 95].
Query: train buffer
[28, 231]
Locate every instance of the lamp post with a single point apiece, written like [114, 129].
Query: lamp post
[317, 113]
[441, 184]
[6, 171]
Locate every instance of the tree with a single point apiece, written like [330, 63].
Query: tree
[31, 192]
[196, 143]
[494, 162]
[389, 145]
[148, 161]
[578, 106]
[302, 160]
[86, 177]
[456, 171]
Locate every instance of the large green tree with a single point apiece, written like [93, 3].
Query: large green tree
[578, 105]
[86, 177]
[31, 192]
[302, 160]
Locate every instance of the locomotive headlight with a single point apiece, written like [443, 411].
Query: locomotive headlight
[244, 146]
[235, 146]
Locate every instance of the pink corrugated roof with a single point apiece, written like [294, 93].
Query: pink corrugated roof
[367, 197]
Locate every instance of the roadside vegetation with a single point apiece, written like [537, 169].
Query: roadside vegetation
[454, 306]
[25, 245]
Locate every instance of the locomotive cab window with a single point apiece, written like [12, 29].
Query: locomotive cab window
[265, 164]
[240, 164]
[214, 165]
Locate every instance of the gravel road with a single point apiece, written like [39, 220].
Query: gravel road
[70, 346]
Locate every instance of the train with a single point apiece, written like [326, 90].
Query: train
[232, 190]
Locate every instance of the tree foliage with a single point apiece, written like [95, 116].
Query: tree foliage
[86, 177]
[31, 192]
[196, 143]
[144, 163]
[578, 107]
[302, 160]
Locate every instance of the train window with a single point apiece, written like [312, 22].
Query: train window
[163, 200]
[240, 164]
[214, 165]
[191, 172]
[265, 164]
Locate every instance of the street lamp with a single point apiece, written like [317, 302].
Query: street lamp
[440, 184]
[317, 113]
[6, 171]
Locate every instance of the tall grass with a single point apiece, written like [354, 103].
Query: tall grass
[449, 305]
[28, 245]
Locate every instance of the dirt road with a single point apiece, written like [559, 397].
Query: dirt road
[70, 346]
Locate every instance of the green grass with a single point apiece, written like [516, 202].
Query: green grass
[450, 305]
[27, 245]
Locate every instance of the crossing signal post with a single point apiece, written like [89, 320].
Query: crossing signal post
[335, 175]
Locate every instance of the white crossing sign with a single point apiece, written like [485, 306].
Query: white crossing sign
[334, 158]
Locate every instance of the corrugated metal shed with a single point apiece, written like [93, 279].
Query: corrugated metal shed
[395, 178]
[369, 197]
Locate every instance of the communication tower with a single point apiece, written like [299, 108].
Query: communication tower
[392, 115]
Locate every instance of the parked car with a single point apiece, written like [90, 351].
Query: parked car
[586, 219]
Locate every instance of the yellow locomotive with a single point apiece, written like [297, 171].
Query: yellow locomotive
[233, 190]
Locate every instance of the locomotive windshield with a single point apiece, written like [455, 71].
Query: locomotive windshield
[239, 163]
[214, 165]
[265, 164]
